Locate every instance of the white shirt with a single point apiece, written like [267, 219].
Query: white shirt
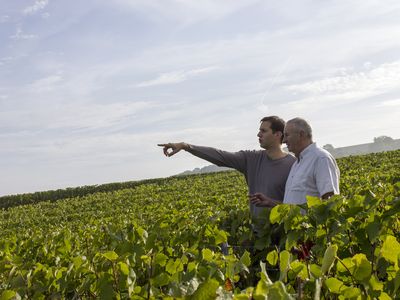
[315, 173]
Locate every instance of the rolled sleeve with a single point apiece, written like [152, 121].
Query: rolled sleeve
[327, 176]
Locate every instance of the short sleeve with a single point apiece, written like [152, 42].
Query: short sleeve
[327, 176]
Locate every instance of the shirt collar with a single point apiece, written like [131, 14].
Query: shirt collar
[307, 150]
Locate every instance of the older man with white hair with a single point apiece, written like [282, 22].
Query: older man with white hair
[314, 173]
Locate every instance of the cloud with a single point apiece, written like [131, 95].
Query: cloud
[37, 6]
[174, 77]
[383, 77]
[188, 11]
[73, 116]
[389, 103]
[46, 84]
[263, 108]
[19, 35]
[4, 18]
[349, 87]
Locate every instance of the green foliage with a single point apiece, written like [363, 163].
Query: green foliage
[165, 239]
[329, 258]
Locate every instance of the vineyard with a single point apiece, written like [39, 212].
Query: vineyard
[190, 237]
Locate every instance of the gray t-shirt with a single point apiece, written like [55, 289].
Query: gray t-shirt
[263, 175]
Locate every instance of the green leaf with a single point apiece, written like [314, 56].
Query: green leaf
[384, 296]
[299, 269]
[278, 213]
[329, 258]
[284, 261]
[137, 289]
[67, 244]
[191, 266]
[334, 285]
[220, 236]
[18, 281]
[110, 255]
[170, 267]
[345, 265]
[174, 266]
[262, 243]
[397, 281]
[206, 290]
[264, 274]
[351, 292]
[161, 259]
[362, 268]
[278, 291]
[315, 271]
[8, 295]
[146, 259]
[123, 267]
[390, 249]
[272, 257]
[313, 201]
[207, 254]
[375, 284]
[245, 259]
[105, 284]
[142, 233]
[241, 297]
[78, 261]
[261, 291]
[291, 239]
[292, 217]
[161, 279]
[373, 230]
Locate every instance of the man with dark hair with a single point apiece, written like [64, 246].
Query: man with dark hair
[265, 170]
[315, 172]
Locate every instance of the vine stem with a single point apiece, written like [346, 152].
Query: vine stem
[149, 271]
[350, 247]
[373, 257]
[116, 279]
[352, 277]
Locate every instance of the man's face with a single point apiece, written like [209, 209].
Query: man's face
[265, 135]
[291, 137]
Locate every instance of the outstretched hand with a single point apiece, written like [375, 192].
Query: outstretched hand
[175, 147]
[259, 199]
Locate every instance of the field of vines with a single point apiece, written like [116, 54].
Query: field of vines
[190, 238]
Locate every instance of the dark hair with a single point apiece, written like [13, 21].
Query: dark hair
[277, 124]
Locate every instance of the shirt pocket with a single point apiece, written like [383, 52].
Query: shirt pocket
[303, 183]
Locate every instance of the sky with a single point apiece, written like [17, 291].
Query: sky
[89, 88]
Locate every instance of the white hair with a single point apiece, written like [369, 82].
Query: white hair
[301, 125]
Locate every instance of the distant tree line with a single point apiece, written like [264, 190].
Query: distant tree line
[381, 143]
[54, 195]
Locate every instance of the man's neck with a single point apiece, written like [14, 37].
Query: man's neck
[275, 153]
[304, 146]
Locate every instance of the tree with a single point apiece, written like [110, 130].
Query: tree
[329, 147]
[383, 139]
